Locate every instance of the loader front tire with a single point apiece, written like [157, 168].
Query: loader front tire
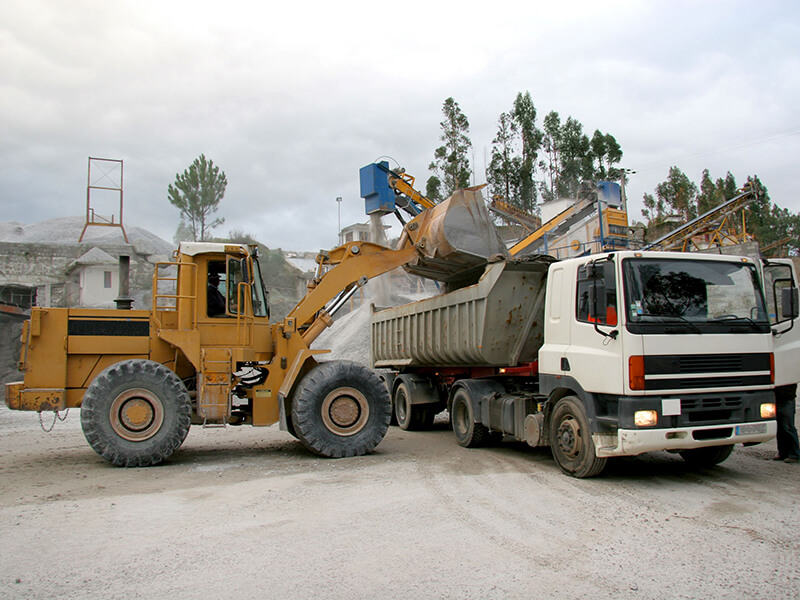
[340, 409]
[136, 413]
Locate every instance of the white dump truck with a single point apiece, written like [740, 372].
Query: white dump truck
[599, 356]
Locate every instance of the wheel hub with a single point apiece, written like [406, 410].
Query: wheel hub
[345, 411]
[569, 438]
[136, 414]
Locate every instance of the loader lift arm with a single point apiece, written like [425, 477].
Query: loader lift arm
[338, 272]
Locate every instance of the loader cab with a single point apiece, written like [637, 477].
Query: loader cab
[211, 283]
[235, 288]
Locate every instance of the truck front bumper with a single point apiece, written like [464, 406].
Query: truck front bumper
[631, 442]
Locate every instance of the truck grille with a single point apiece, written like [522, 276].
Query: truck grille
[710, 409]
[697, 371]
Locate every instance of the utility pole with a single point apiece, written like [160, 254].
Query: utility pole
[339, 204]
[625, 173]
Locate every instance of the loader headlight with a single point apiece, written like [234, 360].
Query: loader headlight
[768, 410]
[645, 418]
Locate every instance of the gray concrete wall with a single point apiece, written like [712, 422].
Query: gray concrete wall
[45, 266]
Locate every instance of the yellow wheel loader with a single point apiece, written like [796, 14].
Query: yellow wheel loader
[207, 353]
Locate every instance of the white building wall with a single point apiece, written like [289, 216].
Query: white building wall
[93, 290]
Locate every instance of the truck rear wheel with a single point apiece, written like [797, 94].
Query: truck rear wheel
[571, 440]
[707, 457]
[469, 434]
[409, 416]
[340, 409]
[136, 413]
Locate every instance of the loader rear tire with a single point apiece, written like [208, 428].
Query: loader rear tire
[341, 409]
[136, 413]
[571, 440]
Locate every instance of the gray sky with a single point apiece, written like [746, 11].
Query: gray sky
[291, 101]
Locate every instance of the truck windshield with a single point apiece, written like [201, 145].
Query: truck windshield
[693, 296]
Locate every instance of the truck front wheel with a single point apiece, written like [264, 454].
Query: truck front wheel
[707, 457]
[411, 416]
[340, 409]
[571, 439]
[136, 413]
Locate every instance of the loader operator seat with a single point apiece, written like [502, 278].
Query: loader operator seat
[215, 304]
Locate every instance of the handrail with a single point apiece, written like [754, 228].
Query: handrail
[158, 296]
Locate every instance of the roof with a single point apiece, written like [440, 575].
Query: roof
[194, 248]
[95, 256]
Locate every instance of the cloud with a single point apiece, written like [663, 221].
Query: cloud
[291, 100]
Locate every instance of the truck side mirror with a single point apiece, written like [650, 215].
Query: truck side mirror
[598, 303]
[789, 303]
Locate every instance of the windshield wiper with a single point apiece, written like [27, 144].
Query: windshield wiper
[747, 320]
[672, 319]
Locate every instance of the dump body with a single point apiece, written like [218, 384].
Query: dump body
[495, 322]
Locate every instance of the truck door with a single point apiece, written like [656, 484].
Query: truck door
[779, 274]
[557, 320]
[594, 355]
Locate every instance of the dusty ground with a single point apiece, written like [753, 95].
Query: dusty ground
[246, 513]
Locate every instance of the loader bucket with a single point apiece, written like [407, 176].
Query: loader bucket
[455, 239]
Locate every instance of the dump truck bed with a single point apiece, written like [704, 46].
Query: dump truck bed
[495, 322]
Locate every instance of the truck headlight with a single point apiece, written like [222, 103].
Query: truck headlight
[768, 410]
[646, 418]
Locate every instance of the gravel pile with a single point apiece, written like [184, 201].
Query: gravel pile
[349, 336]
[67, 230]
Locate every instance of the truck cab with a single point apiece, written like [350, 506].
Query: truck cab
[665, 351]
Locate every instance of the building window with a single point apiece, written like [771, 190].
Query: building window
[107, 279]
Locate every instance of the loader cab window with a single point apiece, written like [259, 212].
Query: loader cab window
[260, 295]
[597, 294]
[215, 292]
[237, 274]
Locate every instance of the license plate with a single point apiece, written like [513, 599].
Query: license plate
[751, 429]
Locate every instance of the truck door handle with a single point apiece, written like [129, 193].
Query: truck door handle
[564, 363]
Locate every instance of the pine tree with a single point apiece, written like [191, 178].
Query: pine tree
[196, 194]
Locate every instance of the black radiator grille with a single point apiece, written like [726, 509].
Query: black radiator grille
[724, 370]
